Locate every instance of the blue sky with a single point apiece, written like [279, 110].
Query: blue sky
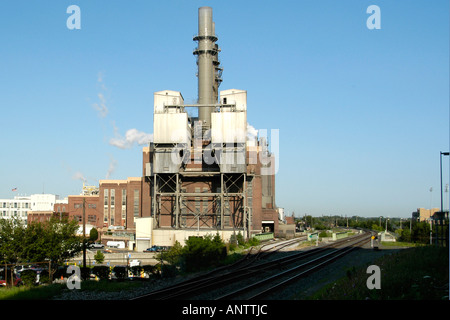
[362, 114]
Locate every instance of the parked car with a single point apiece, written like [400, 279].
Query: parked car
[96, 246]
[156, 248]
[17, 280]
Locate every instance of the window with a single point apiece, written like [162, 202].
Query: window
[205, 201]
[113, 197]
[105, 206]
[136, 203]
[124, 203]
[113, 201]
[124, 197]
[105, 197]
[197, 204]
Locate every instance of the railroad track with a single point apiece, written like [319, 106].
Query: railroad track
[253, 267]
[210, 279]
[273, 283]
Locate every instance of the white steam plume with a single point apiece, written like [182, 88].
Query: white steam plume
[101, 105]
[112, 167]
[79, 176]
[132, 136]
[252, 133]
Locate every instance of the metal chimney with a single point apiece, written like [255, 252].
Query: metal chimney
[207, 62]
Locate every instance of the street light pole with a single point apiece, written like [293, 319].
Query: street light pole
[84, 232]
[440, 161]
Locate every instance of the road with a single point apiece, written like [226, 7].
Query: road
[117, 257]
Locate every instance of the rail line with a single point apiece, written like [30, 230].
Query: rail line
[247, 268]
[270, 284]
[221, 274]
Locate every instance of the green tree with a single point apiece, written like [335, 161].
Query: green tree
[12, 232]
[173, 256]
[405, 235]
[99, 256]
[421, 232]
[54, 240]
[93, 235]
[376, 227]
[203, 252]
[29, 277]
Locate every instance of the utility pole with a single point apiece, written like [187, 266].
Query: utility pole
[84, 232]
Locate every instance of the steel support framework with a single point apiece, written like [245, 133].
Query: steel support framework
[223, 206]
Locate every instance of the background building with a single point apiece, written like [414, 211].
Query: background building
[423, 214]
[17, 207]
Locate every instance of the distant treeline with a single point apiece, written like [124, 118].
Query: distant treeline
[408, 230]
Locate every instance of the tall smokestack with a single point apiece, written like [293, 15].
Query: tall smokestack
[207, 60]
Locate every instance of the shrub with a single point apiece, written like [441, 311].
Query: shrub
[169, 271]
[203, 252]
[44, 277]
[240, 239]
[121, 272]
[85, 273]
[99, 257]
[101, 271]
[28, 277]
[149, 269]
[136, 270]
[61, 271]
[253, 241]
[323, 234]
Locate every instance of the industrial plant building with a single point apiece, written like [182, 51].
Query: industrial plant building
[201, 174]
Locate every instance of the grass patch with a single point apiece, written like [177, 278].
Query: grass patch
[49, 291]
[400, 244]
[416, 273]
[31, 293]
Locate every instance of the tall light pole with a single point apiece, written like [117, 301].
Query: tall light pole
[446, 195]
[440, 161]
[431, 196]
[84, 231]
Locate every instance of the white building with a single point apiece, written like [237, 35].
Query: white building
[21, 205]
[43, 202]
[17, 207]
